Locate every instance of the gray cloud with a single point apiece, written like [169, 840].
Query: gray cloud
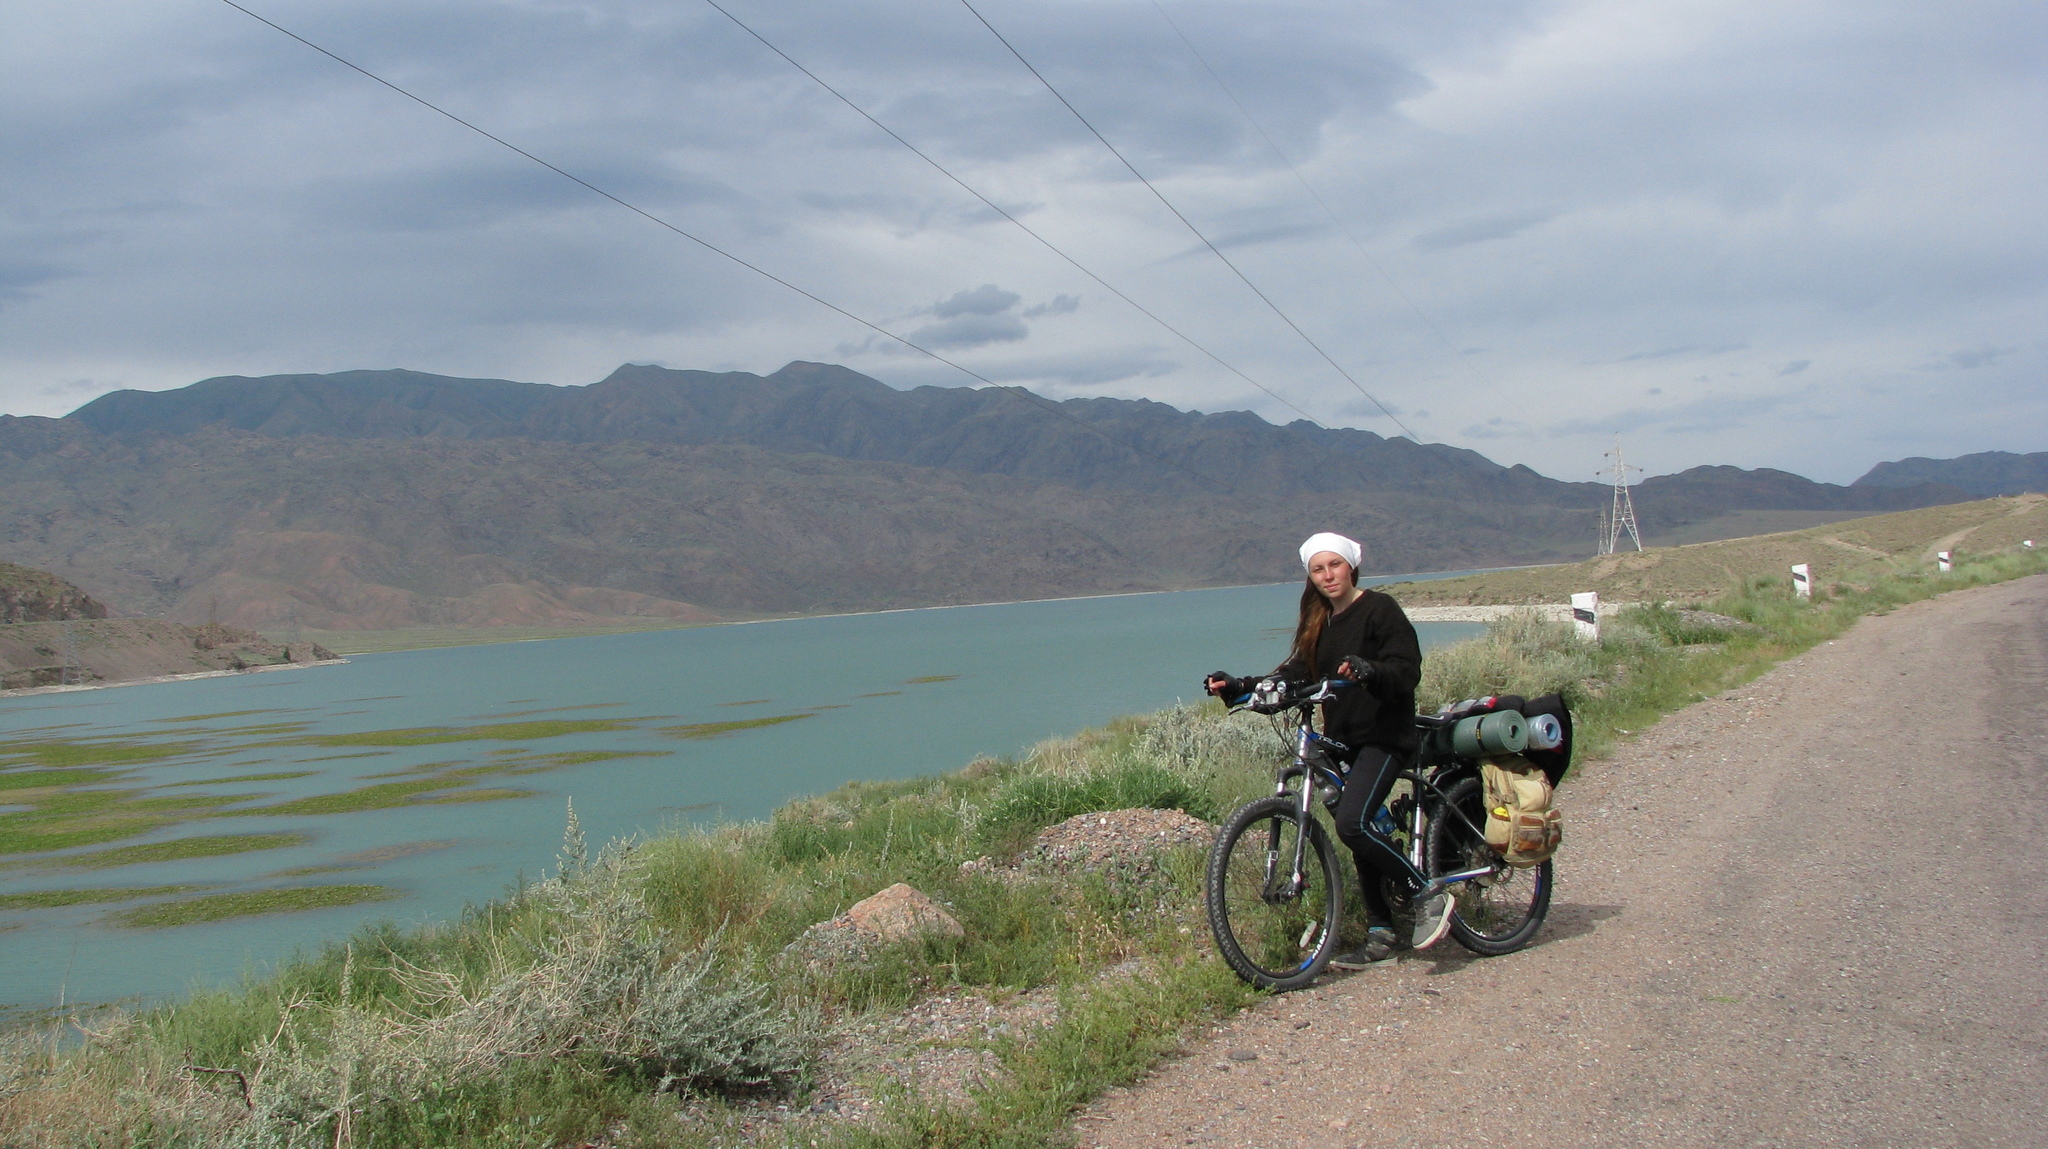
[1470, 231]
[1057, 305]
[1795, 367]
[971, 330]
[988, 299]
[1980, 357]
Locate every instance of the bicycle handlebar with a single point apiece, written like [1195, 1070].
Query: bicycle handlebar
[1273, 695]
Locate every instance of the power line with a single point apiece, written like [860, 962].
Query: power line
[1342, 228]
[1216, 251]
[1018, 393]
[1000, 210]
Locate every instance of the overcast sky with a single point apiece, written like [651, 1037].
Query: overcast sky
[1785, 233]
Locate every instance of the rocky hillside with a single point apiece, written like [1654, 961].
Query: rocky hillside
[53, 634]
[30, 595]
[377, 499]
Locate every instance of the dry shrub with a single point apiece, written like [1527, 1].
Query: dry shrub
[1520, 653]
[604, 988]
[1205, 740]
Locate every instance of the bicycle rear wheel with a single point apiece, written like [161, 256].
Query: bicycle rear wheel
[1276, 933]
[1500, 912]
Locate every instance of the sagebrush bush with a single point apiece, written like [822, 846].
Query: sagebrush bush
[1520, 653]
[1203, 739]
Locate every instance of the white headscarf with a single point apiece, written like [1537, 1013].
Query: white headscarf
[1337, 545]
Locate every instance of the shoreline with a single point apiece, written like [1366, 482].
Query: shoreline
[1559, 612]
[73, 688]
[605, 631]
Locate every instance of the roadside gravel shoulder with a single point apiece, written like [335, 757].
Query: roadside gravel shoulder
[1802, 912]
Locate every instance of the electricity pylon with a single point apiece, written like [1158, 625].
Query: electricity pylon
[1622, 516]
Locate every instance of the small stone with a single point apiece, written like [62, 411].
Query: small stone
[1243, 1055]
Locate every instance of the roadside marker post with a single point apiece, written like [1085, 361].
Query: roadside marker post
[1802, 581]
[1586, 615]
[2027, 543]
[1944, 561]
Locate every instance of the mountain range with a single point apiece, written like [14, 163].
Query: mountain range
[1983, 475]
[372, 499]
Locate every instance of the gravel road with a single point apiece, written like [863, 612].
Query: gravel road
[1810, 911]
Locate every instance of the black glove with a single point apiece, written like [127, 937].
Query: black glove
[1229, 689]
[1356, 669]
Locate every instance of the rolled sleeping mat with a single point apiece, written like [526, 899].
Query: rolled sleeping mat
[1545, 732]
[1502, 732]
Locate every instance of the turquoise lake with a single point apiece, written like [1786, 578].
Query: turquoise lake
[870, 696]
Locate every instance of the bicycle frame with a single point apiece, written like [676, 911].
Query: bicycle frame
[1316, 766]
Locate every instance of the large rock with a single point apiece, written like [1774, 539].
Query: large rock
[902, 911]
[896, 914]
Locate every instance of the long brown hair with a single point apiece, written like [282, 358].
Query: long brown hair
[1308, 630]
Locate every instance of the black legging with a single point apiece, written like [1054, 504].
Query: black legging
[1377, 858]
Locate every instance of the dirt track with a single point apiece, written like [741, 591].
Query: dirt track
[1848, 945]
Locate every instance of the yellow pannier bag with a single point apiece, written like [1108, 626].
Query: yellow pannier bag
[1520, 821]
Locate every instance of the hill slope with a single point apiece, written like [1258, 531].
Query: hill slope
[1984, 474]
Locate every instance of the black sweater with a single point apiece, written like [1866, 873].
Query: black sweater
[1383, 714]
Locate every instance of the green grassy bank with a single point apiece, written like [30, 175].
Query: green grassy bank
[659, 993]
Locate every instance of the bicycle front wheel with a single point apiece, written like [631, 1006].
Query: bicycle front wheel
[1276, 929]
[1500, 912]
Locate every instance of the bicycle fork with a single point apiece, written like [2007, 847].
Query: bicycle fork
[1296, 882]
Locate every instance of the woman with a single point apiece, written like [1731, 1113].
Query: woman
[1361, 635]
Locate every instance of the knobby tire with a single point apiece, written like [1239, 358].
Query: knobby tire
[1273, 937]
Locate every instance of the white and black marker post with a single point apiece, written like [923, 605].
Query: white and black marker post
[1802, 581]
[1586, 615]
[1944, 562]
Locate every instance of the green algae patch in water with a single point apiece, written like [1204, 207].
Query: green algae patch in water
[52, 899]
[222, 714]
[487, 794]
[40, 779]
[715, 729]
[220, 907]
[64, 833]
[279, 777]
[551, 710]
[584, 757]
[177, 849]
[931, 678]
[93, 752]
[497, 731]
[384, 796]
[61, 819]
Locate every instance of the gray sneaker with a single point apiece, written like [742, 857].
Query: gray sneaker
[1432, 920]
[1378, 947]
